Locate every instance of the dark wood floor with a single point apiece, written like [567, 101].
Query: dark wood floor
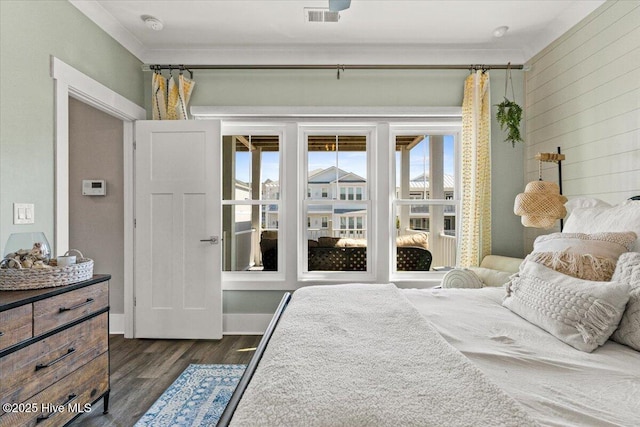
[142, 369]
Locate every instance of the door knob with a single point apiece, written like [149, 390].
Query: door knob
[213, 240]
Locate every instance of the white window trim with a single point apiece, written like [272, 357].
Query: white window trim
[370, 131]
[257, 129]
[384, 119]
[426, 129]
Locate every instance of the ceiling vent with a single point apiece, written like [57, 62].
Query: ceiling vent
[320, 15]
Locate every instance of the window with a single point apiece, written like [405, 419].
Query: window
[337, 163]
[331, 181]
[251, 201]
[425, 187]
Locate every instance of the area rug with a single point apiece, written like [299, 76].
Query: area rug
[196, 398]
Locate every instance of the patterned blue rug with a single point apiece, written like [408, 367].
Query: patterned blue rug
[196, 398]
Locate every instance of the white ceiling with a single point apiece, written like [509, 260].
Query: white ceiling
[369, 32]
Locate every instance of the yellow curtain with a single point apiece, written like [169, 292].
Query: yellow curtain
[159, 97]
[475, 229]
[185, 87]
[170, 99]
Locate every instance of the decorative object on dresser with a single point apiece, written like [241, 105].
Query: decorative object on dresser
[32, 268]
[54, 353]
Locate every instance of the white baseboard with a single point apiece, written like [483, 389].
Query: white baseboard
[245, 323]
[232, 323]
[116, 323]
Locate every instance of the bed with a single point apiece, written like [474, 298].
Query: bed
[363, 354]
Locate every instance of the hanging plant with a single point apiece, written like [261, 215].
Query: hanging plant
[509, 113]
[509, 116]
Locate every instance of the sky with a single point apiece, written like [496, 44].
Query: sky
[349, 161]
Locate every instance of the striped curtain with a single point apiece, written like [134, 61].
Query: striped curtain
[170, 99]
[475, 228]
[159, 96]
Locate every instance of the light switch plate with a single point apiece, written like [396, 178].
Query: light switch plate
[23, 213]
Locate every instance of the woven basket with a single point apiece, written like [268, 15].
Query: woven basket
[13, 279]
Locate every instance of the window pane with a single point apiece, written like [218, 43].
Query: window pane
[342, 246]
[250, 237]
[425, 170]
[251, 167]
[337, 164]
[250, 171]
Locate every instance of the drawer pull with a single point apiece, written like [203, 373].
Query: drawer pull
[69, 400]
[88, 301]
[53, 362]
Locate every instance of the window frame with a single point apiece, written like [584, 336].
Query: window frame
[334, 128]
[239, 128]
[453, 129]
[289, 120]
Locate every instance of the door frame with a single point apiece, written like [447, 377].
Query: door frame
[69, 82]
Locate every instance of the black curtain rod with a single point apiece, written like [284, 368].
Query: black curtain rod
[152, 67]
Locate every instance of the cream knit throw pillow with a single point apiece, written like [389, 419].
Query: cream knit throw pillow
[581, 313]
[628, 271]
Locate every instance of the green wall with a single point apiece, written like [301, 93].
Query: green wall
[30, 32]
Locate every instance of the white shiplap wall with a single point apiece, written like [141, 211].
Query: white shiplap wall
[582, 94]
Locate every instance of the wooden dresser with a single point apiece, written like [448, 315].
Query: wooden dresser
[54, 353]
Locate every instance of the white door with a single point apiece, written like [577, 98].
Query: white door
[177, 214]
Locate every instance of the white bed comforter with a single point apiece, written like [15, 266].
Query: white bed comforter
[557, 384]
[362, 355]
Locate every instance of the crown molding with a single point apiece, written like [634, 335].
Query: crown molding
[343, 54]
[338, 54]
[103, 19]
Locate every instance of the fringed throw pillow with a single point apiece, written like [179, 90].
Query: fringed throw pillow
[581, 313]
[585, 256]
[582, 266]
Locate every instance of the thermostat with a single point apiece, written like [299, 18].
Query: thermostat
[94, 187]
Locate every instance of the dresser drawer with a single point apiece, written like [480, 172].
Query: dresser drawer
[15, 325]
[65, 308]
[32, 369]
[62, 401]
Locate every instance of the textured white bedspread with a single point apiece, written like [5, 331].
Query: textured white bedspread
[362, 355]
[557, 384]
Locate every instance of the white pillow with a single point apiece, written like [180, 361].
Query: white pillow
[628, 271]
[622, 217]
[584, 202]
[581, 313]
